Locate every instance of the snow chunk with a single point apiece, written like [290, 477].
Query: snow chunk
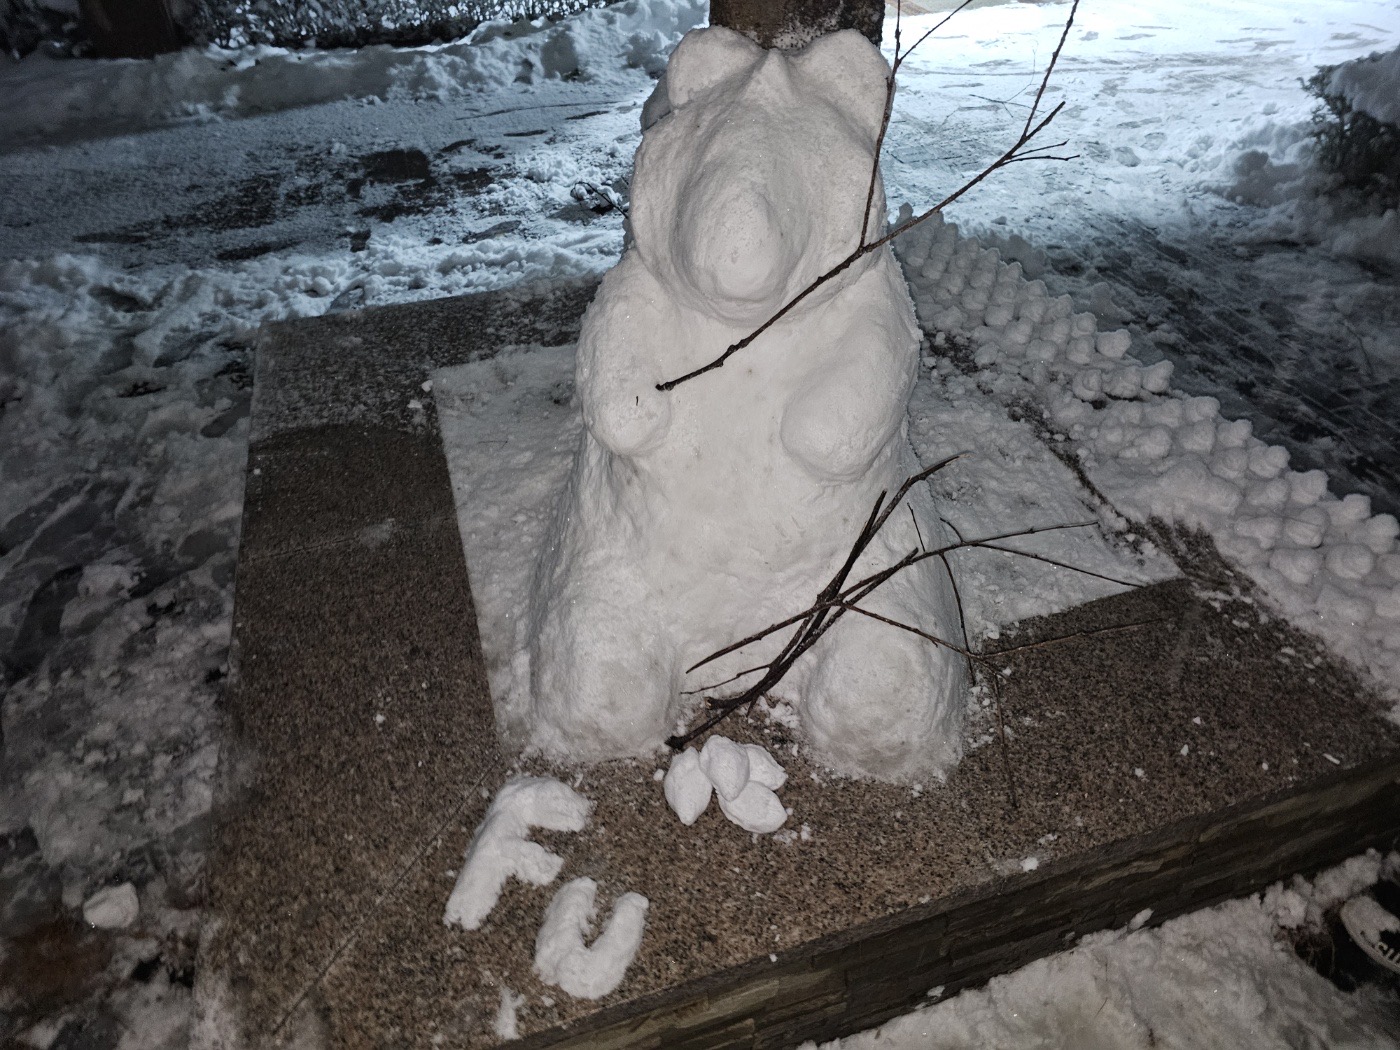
[505, 1025]
[764, 768]
[727, 765]
[500, 848]
[744, 776]
[112, 908]
[755, 809]
[562, 959]
[687, 787]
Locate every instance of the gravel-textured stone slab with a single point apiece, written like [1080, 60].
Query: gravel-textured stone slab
[1167, 766]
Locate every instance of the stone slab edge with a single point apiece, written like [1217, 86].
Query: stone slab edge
[866, 976]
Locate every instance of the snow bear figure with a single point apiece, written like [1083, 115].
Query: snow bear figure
[694, 517]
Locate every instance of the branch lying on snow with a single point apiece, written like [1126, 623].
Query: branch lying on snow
[839, 597]
[1016, 154]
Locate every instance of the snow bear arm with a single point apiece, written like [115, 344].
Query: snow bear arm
[619, 358]
[844, 416]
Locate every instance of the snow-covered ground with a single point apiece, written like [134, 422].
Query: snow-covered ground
[154, 214]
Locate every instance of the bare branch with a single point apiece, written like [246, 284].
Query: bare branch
[838, 598]
[1016, 154]
[1054, 58]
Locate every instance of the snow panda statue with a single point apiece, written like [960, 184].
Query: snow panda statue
[694, 517]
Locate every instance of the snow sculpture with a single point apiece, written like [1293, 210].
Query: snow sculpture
[501, 846]
[696, 516]
[588, 971]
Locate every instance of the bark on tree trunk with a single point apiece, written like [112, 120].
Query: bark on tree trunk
[793, 23]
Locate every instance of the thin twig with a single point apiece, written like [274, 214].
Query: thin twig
[1001, 732]
[1016, 154]
[838, 598]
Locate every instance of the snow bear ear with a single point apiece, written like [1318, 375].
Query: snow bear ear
[704, 58]
[850, 72]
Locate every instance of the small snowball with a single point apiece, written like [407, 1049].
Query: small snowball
[1019, 333]
[1114, 344]
[1168, 412]
[1155, 443]
[1087, 384]
[1080, 350]
[764, 768]
[1201, 409]
[1083, 324]
[1296, 566]
[1268, 461]
[1350, 561]
[1307, 488]
[1157, 379]
[755, 809]
[1302, 531]
[1233, 435]
[1124, 382]
[1350, 510]
[1198, 437]
[687, 787]
[1141, 919]
[1379, 533]
[998, 315]
[1030, 864]
[1230, 463]
[1264, 530]
[112, 908]
[726, 764]
[1269, 495]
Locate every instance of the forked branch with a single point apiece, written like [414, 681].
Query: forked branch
[839, 597]
[1018, 153]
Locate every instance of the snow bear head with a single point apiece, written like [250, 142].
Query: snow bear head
[753, 182]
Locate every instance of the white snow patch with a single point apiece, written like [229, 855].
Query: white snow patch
[501, 847]
[112, 908]
[1371, 85]
[506, 1024]
[588, 972]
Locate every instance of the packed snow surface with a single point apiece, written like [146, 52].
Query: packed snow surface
[1222, 977]
[162, 211]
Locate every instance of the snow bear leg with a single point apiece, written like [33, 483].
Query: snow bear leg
[883, 702]
[602, 667]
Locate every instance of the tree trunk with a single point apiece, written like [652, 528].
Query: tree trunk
[793, 23]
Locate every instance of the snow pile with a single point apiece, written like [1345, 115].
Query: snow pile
[1371, 85]
[1224, 976]
[47, 96]
[745, 776]
[1328, 564]
[588, 971]
[501, 847]
[112, 907]
[723, 505]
